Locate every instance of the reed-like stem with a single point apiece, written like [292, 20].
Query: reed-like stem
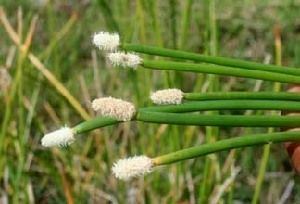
[95, 123]
[218, 120]
[221, 70]
[229, 104]
[243, 95]
[267, 148]
[158, 51]
[173, 114]
[226, 144]
[195, 119]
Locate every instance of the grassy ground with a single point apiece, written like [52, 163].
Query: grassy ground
[32, 105]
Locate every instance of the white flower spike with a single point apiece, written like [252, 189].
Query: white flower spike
[131, 167]
[167, 96]
[106, 41]
[113, 107]
[60, 138]
[123, 59]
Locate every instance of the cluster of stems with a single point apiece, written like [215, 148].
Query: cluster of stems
[183, 114]
[195, 102]
[189, 111]
[214, 65]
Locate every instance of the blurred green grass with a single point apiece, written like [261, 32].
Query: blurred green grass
[81, 173]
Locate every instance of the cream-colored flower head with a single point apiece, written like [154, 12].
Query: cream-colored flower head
[106, 41]
[123, 59]
[61, 137]
[167, 96]
[113, 107]
[131, 167]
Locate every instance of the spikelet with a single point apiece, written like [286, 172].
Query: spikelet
[116, 108]
[61, 137]
[123, 59]
[167, 96]
[131, 167]
[106, 41]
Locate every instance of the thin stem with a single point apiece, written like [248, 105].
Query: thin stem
[211, 132]
[261, 172]
[242, 95]
[152, 5]
[227, 105]
[92, 124]
[267, 148]
[218, 120]
[221, 70]
[169, 114]
[185, 22]
[173, 22]
[226, 144]
[152, 50]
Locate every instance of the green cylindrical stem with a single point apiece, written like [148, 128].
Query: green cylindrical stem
[155, 114]
[151, 50]
[192, 106]
[169, 114]
[92, 124]
[218, 120]
[242, 95]
[221, 70]
[227, 144]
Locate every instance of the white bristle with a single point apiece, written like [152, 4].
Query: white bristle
[167, 96]
[61, 137]
[132, 167]
[123, 59]
[113, 107]
[106, 41]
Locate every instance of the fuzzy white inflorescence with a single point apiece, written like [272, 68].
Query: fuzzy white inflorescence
[132, 167]
[61, 137]
[123, 59]
[167, 96]
[106, 41]
[113, 107]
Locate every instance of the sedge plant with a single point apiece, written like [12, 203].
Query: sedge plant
[113, 111]
[132, 60]
[111, 42]
[176, 107]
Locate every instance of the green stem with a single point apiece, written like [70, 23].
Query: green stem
[227, 105]
[221, 70]
[261, 172]
[152, 50]
[185, 22]
[267, 148]
[173, 26]
[163, 114]
[218, 120]
[152, 6]
[210, 132]
[92, 124]
[242, 95]
[108, 15]
[167, 114]
[226, 144]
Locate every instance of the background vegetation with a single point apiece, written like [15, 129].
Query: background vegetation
[33, 105]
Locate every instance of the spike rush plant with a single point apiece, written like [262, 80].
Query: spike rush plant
[173, 106]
